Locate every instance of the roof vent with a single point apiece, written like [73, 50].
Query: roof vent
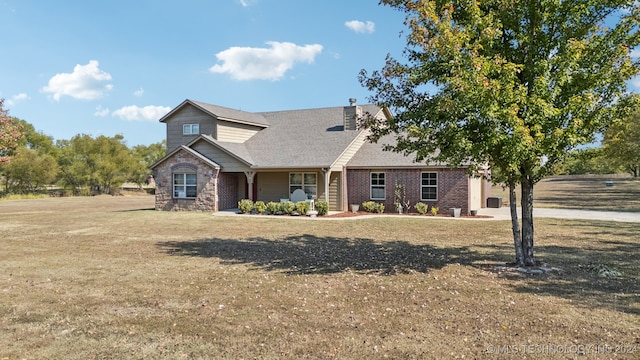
[352, 101]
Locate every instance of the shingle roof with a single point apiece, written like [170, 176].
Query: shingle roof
[302, 138]
[222, 112]
[372, 155]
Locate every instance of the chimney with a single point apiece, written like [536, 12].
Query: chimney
[351, 115]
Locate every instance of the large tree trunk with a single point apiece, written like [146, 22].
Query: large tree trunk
[515, 226]
[527, 221]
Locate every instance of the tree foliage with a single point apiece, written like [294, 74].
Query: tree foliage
[102, 164]
[512, 84]
[592, 160]
[145, 156]
[29, 172]
[622, 143]
[10, 134]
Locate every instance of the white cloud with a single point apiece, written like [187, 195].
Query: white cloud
[147, 113]
[246, 63]
[16, 98]
[101, 112]
[361, 27]
[138, 92]
[86, 82]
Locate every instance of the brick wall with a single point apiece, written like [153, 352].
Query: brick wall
[452, 187]
[207, 182]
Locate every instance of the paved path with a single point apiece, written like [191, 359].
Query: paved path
[503, 213]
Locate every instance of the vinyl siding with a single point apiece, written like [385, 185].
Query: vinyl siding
[349, 152]
[188, 115]
[236, 133]
[335, 191]
[226, 161]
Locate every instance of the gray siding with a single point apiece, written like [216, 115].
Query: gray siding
[227, 162]
[188, 115]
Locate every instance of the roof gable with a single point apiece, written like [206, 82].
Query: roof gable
[222, 113]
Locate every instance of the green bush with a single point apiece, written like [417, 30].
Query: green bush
[245, 206]
[369, 206]
[322, 207]
[373, 207]
[421, 208]
[260, 207]
[273, 207]
[287, 207]
[434, 211]
[302, 207]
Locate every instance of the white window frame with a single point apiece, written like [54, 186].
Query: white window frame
[429, 185]
[377, 184]
[309, 188]
[185, 184]
[190, 129]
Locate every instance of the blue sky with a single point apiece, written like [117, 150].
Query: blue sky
[115, 67]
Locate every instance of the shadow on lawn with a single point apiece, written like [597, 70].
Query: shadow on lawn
[309, 254]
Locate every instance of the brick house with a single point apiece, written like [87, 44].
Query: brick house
[217, 156]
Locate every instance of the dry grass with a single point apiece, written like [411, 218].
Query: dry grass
[584, 193]
[106, 277]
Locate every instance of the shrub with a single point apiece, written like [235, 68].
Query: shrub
[273, 207]
[373, 207]
[260, 207]
[245, 206]
[287, 207]
[302, 207]
[369, 206]
[434, 211]
[322, 207]
[421, 208]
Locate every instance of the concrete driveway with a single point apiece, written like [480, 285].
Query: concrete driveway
[503, 213]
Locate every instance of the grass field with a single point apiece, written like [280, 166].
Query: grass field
[107, 277]
[584, 193]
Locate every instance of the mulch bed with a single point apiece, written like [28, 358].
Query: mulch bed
[362, 213]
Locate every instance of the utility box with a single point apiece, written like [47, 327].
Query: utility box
[494, 202]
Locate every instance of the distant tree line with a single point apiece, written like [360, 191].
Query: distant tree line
[84, 165]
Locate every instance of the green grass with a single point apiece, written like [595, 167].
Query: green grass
[106, 277]
[584, 193]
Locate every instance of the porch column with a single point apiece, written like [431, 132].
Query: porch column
[250, 175]
[325, 175]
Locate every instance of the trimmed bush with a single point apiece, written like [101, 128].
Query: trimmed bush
[421, 208]
[369, 206]
[260, 207]
[322, 207]
[287, 207]
[434, 211]
[302, 207]
[373, 207]
[273, 207]
[245, 206]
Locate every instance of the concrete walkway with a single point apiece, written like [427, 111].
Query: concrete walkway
[504, 213]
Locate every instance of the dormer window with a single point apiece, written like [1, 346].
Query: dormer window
[190, 129]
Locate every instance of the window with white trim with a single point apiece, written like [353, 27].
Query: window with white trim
[190, 129]
[378, 186]
[429, 186]
[185, 185]
[308, 182]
